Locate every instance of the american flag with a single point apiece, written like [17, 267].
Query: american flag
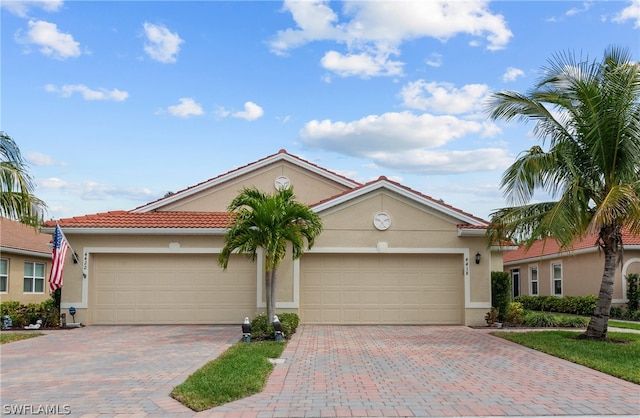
[60, 247]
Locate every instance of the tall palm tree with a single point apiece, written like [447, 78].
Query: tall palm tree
[587, 117]
[17, 200]
[270, 222]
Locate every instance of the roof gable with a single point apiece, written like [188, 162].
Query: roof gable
[383, 183]
[281, 156]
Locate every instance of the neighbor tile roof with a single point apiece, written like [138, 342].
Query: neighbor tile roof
[551, 246]
[17, 236]
[126, 219]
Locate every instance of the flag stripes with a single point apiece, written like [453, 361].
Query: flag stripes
[60, 248]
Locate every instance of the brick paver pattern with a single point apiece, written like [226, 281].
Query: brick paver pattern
[328, 371]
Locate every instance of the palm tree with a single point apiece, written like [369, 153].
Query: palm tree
[17, 200]
[269, 222]
[587, 115]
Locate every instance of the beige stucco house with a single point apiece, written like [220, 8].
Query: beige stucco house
[545, 270]
[387, 255]
[25, 263]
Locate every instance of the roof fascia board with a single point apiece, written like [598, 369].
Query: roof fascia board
[563, 254]
[140, 231]
[471, 232]
[240, 172]
[7, 250]
[383, 184]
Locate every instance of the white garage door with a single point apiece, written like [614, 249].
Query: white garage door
[382, 289]
[171, 289]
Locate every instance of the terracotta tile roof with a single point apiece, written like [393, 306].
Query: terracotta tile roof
[16, 236]
[412, 191]
[228, 173]
[127, 219]
[551, 246]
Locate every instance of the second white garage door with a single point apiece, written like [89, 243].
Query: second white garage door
[171, 289]
[382, 289]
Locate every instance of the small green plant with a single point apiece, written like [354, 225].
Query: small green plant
[492, 316]
[515, 314]
[262, 330]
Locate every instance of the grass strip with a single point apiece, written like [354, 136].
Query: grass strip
[627, 325]
[239, 372]
[17, 336]
[619, 356]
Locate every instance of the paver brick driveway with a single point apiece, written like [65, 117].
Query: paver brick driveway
[328, 371]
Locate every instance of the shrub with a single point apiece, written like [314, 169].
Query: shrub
[578, 305]
[633, 291]
[500, 292]
[540, 319]
[23, 315]
[261, 329]
[515, 314]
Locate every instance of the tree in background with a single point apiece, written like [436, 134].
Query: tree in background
[270, 222]
[587, 116]
[17, 200]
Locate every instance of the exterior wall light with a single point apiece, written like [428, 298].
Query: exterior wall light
[478, 257]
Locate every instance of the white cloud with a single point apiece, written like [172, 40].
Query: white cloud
[444, 161]
[444, 98]
[434, 60]
[631, 12]
[52, 42]
[67, 90]
[187, 107]
[91, 190]
[251, 112]
[22, 7]
[373, 31]
[392, 131]
[162, 45]
[512, 74]
[39, 159]
[576, 10]
[363, 64]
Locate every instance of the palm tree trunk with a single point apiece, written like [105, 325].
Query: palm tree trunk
[268, 283]
[272, 292]
[597, 328]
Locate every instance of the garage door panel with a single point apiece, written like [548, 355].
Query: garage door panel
[176, 289]
[382, 289]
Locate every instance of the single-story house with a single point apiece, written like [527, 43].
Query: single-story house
[544, 269]
[25, 263]
[387, 255]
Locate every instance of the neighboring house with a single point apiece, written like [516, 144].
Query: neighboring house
[387, 255]
[544, 269]
[25, 262]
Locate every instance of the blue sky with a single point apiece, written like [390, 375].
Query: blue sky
[113, 104]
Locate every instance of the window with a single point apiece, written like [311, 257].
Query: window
[4, 275]
[533, 277]
[515, 282]
[33, 277]
[557, 279]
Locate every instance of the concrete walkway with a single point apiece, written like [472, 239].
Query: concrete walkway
[412, 371]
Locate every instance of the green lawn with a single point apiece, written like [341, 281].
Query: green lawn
[619, 359]
[240, 371]
[9, 337]
[627, 325]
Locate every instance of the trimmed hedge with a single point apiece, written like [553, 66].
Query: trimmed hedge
[23, 315]
[577, 305]
[262, 330]
[500, 292]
